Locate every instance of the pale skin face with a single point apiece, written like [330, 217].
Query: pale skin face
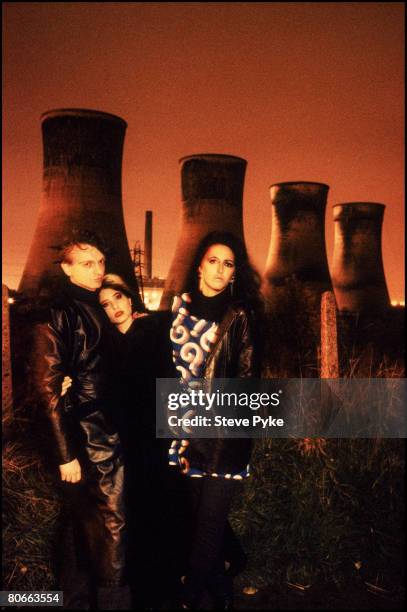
[118, 308]
[85, 266]
[216, 270]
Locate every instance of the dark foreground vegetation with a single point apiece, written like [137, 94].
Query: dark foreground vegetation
[320, 519]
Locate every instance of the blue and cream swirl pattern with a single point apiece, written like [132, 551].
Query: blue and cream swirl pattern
[192, 340]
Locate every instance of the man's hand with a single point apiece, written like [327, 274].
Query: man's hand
[71, 472]
[66, 383]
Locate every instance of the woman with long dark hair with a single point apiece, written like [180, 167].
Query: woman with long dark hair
[133, 339]
[136, 359]
[213, 336]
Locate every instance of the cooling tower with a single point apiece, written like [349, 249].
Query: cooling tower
[357, 271]
[81, 189]
[297, 266]
[212, 194]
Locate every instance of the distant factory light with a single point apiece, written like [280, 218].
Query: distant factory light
[152, 297]
[398, 302]
[10, 300]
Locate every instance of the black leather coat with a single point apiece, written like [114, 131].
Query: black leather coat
[70, 342]
[234, 355]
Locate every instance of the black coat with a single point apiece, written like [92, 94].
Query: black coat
[135, 360]
[155, 494]
[70, 342]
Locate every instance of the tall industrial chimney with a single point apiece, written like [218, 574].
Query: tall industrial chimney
[81, 189]
[212, 195]
[297, 256]
[148, 245]
[357, 270]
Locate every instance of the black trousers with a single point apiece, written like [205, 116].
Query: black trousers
[91, 546]
[159, 522]
[213, 540]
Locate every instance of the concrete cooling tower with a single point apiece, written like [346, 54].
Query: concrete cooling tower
[297, 262]
[212, 195]
[81, 189]
[357, 271]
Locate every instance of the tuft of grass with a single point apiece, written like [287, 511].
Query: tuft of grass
[30, 512]
[329, 512]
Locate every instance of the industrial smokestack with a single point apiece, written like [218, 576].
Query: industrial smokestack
[148, 245]
[81, 189]
[297, 257]
[212, 195]
[357, 270]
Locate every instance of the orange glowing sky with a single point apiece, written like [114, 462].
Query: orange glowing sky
[302, 90]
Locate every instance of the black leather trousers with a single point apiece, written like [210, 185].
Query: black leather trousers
[95, 508]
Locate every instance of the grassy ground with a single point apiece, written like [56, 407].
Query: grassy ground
[324, 514]
[30, 511]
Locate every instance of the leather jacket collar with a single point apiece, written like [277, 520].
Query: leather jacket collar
[81, 294]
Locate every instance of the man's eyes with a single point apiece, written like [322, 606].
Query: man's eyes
[89, 264]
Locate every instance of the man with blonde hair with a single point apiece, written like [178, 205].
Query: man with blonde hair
[87, 449]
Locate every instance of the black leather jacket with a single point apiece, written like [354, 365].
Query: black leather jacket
[234, 355]
[70, 343]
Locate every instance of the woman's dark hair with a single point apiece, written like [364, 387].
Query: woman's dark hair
[115, 282]
[246, 286]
